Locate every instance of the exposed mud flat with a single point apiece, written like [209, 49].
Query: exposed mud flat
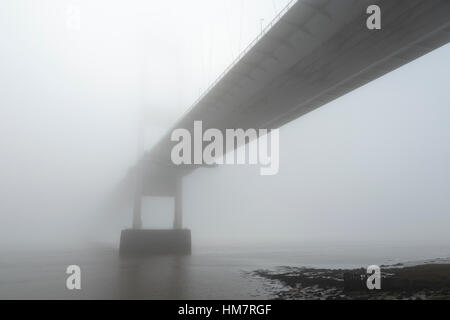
[426, 281]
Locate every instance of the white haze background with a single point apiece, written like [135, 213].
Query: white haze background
[371, 166]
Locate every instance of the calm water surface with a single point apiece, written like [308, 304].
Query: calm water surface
[220, 272]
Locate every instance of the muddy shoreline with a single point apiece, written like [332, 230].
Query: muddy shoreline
[425, 281]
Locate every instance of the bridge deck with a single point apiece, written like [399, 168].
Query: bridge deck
[316, 52]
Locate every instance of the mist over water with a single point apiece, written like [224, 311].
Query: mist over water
[77, 79]
[368, 170]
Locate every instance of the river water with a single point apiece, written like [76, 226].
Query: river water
[211, 272]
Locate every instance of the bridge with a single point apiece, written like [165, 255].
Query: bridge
[313, 52]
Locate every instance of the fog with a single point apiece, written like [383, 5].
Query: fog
[371, 166]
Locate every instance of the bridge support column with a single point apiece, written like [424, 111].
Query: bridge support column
[137, 212]
[178, 214]
[137, 203]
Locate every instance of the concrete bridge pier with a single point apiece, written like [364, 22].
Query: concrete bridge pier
[138, 242]
[178, 199]
[137, 208]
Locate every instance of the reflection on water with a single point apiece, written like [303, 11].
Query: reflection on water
[209, 273]
[159, 278]
[105, 275]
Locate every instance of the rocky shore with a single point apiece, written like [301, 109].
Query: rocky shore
[427, 281]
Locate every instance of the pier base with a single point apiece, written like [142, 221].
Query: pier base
[139, 243]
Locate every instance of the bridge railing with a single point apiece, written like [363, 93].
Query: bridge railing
[244, 52]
